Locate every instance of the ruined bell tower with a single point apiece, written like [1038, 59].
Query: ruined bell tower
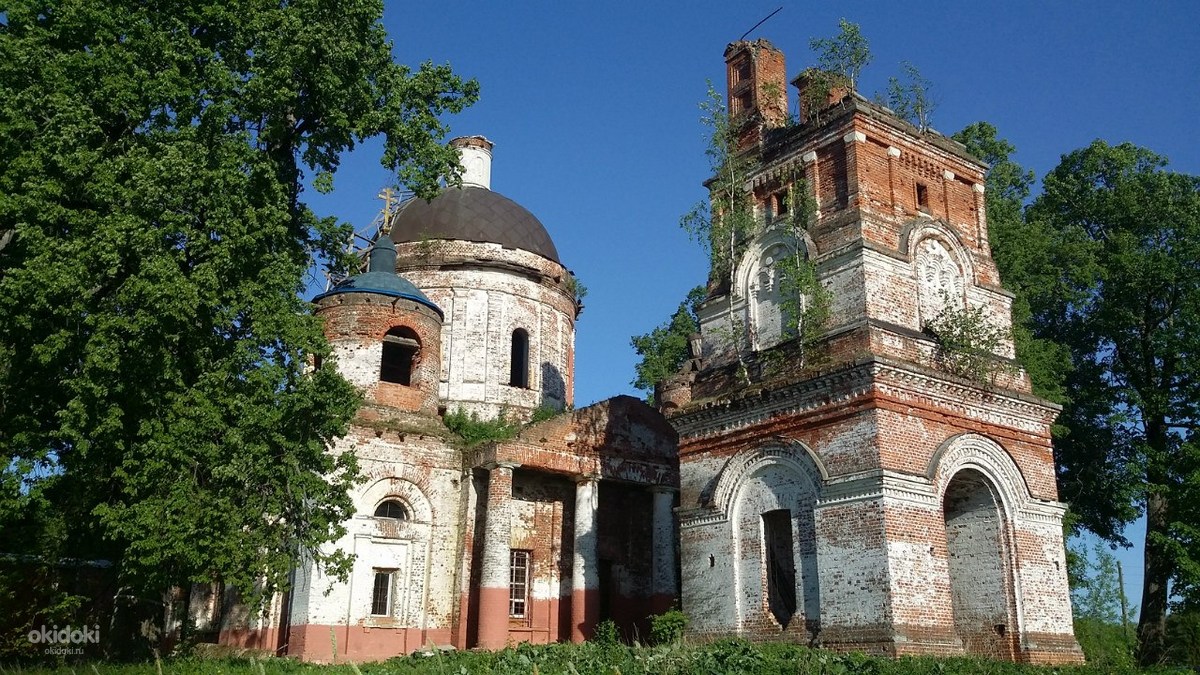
[864, 491]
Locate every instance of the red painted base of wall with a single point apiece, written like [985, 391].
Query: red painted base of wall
[316, 643]
[585, 614]
[660, 603]
[493, 618]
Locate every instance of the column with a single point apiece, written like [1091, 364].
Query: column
[813, 177]
[947, 179]
[666, 587]
[893, 154]
[585, 571]
[981, 232]
[494, 575]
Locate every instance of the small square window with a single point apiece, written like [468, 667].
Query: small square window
[381, 594]
[781, 202]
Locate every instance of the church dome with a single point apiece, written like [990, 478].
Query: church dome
[381, 279]
[473, 213]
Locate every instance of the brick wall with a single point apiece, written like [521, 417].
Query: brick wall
[355, 324]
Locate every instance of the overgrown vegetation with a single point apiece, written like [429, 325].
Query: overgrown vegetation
[912, 97]
[576, 288]
[667, 628]
[724, 657]
[967, 342]
[474, 430]
[805, 302]
[846, 54]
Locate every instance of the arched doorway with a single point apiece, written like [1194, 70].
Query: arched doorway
[775, 551]
[979, 565]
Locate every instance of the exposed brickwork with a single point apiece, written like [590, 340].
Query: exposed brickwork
[922, 505]
[487, 292]
[355, 326]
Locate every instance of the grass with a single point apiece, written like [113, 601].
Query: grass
[727, 657]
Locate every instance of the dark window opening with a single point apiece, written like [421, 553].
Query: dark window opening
[741, 71]
[518, 369]
[381, 594]
[391, 509]
[400, 350]
[743, 102]
[781, 564]
[781, 202]
[922, 197]
[518, 583]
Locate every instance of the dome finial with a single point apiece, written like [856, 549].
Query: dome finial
[383, 256]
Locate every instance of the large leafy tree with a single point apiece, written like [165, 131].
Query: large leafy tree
[1122, 237]
[1024, 255]
[155, 408]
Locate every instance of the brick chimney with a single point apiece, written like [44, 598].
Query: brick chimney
[475, 155]
[818, 90]
[757, 83]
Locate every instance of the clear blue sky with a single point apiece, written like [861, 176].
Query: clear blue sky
[593, 110]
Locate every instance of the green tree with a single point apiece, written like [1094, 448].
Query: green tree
[1101, 625]
[724, 222]
[154, 397]
[664, 350]
[846, 54]
[1124, 299]
[912, 98]
[1024, 255]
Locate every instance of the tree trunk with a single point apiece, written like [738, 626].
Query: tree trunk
[1152, 620]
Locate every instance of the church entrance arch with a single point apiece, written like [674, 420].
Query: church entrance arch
[774, 542]
[978, 564]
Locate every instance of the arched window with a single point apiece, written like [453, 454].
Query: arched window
[391, 509]
[400, 350]
[518, 368]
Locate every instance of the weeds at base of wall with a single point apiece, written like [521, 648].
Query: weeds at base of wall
[724, 657]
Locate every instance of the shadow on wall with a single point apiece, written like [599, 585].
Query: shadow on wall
[554, 386]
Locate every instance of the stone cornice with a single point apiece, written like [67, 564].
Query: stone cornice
[810, 394]
[699, 517]
[856, 379]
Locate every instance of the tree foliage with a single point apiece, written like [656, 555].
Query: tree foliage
[1123, 297]
[912, 98]
[664, 350]
[154, 400]
[845, 54]
[724, 222]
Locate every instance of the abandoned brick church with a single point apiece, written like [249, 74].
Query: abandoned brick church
[871, 501]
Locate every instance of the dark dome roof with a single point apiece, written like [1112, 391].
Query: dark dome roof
[473, 214]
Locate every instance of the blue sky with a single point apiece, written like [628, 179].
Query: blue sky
[593, 108]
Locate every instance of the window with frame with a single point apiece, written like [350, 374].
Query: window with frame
[381, 593]
[518, 583]
[391, 509]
